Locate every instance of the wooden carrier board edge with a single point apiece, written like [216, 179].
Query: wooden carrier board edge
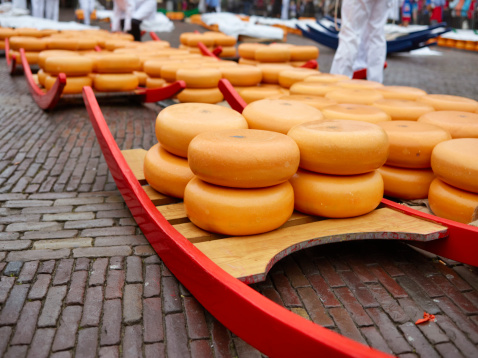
[249, 258]
[272, 329]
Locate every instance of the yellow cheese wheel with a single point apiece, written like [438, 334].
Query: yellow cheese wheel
[219, 64]
[233, 211]
[354, 96]
[443, 102]
[119, 82]
[359, 84]
[401, 92]
[178, 124]
[340, 147]
[183, 38]
[62, 43]
[406, 183]
[228, 51]
[27, 43]
[142, 77]
[221, 39]
[118, 63]
[42, 76]
[412, 143]
[152, 67]
[278, 115]
[69, 65]
[314, 101]
[326, 78]
[256, 93]
[312, 88]
[28, 32]
[87, 43]
[288, 77]
[153, 82]
[242, 75]
[6, 32]
[303, 53]
[245, 61]
[2, 44]
[403, 109]
[458, 124]
[194, 39]
[356, 112]
[336, 196]
[248, 50]
[200, 95]
[203, 78]
[243, 158]
[451, 203]
[166, 172]
[168, 71]
[73, 84]
[43, 55]
[270, 71]
[31, 56]
[272, 54]
[456, 163]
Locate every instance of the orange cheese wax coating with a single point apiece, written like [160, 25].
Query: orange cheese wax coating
[458, 124]
[456, 163]
[41, 77]
[340, 147]
[356, 112]
[248, 50]
[118, 63]
[403, 109]
[312, 88]
[200, 95]
[326, 78]
[401, 92]
[203, 78]
[256, 93]
[314, 101]
[69, 65]
[242, 75]
[406, 183]
[121, 82]
[272, 54]
[443, 102]
[28, 43]
[336, 196]
[152, 82]
[355, 96]
[412, 143]
[278, 115]
[243, 158]
[178, 124]
[43, 55]
[142, 77]
[451, 203]
[359, 84]
[270, 71]
[166, 172]
[303, 53]
[73, 84]
[288, 77]
[235, 211]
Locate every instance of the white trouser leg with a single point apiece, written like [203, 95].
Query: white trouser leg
[52, 9]
[38, 8]
[377, 44]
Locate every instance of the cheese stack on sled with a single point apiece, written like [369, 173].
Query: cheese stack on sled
[210, 39]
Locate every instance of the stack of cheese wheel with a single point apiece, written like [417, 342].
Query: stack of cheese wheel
[339, 161]
[458, 124]
[407, 174]
[442, 102]
[403, 109]
[314, 101]
[115, 73]
[356, 112]
[43, 55]
[454, 193]
[318, 84]
[166, 166]
[201, 85]
[227, 43]
[241, 185]
[401, 92]
[210, 39]
[76, 68]
[32, 46]
[5, 33]
[256, 53]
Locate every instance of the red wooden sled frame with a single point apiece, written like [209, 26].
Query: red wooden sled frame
[11, 59]
[48, 100]
[272, 329]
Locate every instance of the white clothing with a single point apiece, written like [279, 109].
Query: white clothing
[48, 9]
[130, 9]
[19, 4]
[362, 20]
[87, 6]
[285, 10]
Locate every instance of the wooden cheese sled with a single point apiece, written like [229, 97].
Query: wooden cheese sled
[49, 99]
[215, 269]
[11, 59]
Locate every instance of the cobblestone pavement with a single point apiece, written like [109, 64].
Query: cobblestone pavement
[78, 278]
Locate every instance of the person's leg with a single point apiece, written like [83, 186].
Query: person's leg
[52, 9]
[135, 29]
[38, 8]
[377, 44]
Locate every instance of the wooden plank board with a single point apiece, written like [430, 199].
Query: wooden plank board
[249, 258]
[135, 160]
[158, 198]
[174, 213]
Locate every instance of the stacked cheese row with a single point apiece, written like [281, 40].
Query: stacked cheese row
[7, 33]
[296, 56]
[210, 39]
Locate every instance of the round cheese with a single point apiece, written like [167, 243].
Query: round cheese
[200, 95]
[326, 78]
[272, 54]
[203, 78]
[242, 75]
[359, 84]
[118, 63]
[121, 82]
[73, 84]
[355, 96]
[443, 102]
[27, 43]
[403, 109]
[288, 77]
[406, 183]
[153, 82]
[311, 88]
[401, 92]
[43, 55]
[69, 65]
[314, 101]
[256, 93]
[248, 50]
[270, 71]
[356, 112]
[458, 124]
[303, 53]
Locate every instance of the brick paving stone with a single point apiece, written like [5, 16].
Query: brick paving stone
[110, 231]
[202, 349]
[354, 308]
[328, 273]
[40, 287]
[345, 324]
[65, 337]
[375, 339]
[124, 213]
[32, 255]
[100, 207]
[16, 352]
[306, 263]
[299, 311]
[152, 320]
[127, 221]
[196, 319]
[171, 296]
[221, 340]
[389, 332]
[429, 287]
[388, 282]
[459, 339]
[63, 244]
[294, 273]
[469, 274]
[82, 263]
[27, 203]
[64, 354]
[47, 210]
[132, 303]
[52, 196]
[116, 263]
[63, 272]
[155, 350]
[152, 281]
[76, 291]
[2, 256]
[28, 272]
[14, 304]
[454, 294]
[109, 352]
[360, 291]
[325, 293]
[26, 325]
[78, 201]
[111, 324]
[92, 308]
[134, 269]
[273, 295]
[5, 333]
[418, 295]
[13, 268]
[132, 342]
[472, 297]
[388, 303]
[69, 216]
[102, 251]
[145, 250]
[87, 343]
[8, 235]
[176, 335]
[152, 260]
[453, 277]
[48, 235]
[31, 225]
[6, 283]
[286, 291]
[121, 240]
[14, 245]
[12, 196]
[314, 307]
[2, 265]
[86, 224]
[52, 307]
[98, 272]
[42, 340]
[165, 271]
[361, 270]
[245, 350]
[448, 350]
[418, 341]
[18, 218]
[115, 283]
